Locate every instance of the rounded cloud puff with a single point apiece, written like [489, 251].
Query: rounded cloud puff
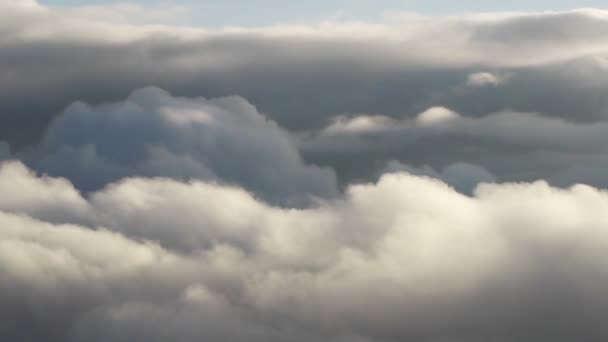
[436, 115]
[482, 79]
[152, 133]
[405, 258]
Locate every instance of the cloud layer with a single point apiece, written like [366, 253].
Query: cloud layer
[405, 258]
[305, 77]
[302, 75]
[513, 145]
[153, 134]
[411, 179]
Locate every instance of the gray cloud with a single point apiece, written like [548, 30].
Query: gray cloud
[188, 214]
[406, 258]
[152, 133]
[5, 152]
[300, 75]
[513, 146]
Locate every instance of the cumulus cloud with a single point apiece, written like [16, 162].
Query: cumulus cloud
[359, 123]
[50, 199]
[436, 115]
[4, 151]
[483, 79]
[405, 258]
[210, 210]
[463, 177]
[152, 133]
[516, 146]
[330, 68]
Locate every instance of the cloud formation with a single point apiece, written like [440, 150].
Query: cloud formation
[410, 179]
[405, 258]
[463, 177]
[405, 64]
[152, 133]
[484, 79]
[513, 145]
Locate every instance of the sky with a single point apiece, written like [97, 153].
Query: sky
[275, 171]
[267, 12]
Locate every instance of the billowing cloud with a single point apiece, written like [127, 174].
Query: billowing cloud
[510, 127]
[336, 181]
[464, 177]
[152, 133]
[405, 258]
[435, 116]
[329, 68]
[514, 146]
[484, 79]
[49, 199]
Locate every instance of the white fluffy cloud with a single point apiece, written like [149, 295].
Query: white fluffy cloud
[464, 177]
[435, 116]
[405, 258]
[50, 199]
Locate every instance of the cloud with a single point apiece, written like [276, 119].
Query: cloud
[405, 258]
[483, 79]
[361, 123]
[4, 151]
[465, 178]
[436, 116]
[49, 199]
[190, 214]
[152, 133]
[515, 146]
[329, 68]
